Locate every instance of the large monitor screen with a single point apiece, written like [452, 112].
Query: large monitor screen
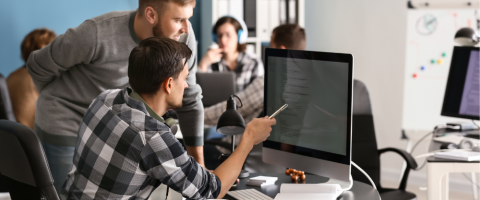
[462, 94]
[316, 122]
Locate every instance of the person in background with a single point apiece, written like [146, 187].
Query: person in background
[20, 85]
[230, 33]
[138, 151]
[286, 36]
[93, 57]
[230, 54]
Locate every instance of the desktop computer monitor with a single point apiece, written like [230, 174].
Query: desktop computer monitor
[462, 93]
[313, 133]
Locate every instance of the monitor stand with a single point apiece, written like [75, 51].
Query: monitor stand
[346, 186]
[343, 184]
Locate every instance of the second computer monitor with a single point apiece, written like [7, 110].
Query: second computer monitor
[462, 94]
[314, 133]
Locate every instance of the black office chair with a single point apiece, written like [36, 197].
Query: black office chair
[365, 152]
[23, 166]
[6, 110]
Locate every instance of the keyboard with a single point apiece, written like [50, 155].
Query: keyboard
[248, 194]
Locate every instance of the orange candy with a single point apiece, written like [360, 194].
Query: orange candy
[287, 172]
[294, 177]
[302, 177]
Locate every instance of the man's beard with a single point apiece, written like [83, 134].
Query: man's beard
[174, 105]
[157, 31]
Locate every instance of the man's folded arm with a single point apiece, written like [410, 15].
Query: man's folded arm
[75, 46]
[258, 70]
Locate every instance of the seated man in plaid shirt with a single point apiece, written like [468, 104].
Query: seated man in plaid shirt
[125, 150]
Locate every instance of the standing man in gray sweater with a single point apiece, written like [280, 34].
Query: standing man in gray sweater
[93, 57]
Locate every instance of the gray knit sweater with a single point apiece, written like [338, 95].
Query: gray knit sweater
[89, 59]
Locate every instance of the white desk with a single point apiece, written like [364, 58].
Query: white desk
[438, 169]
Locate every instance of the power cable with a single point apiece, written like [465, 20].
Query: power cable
[361, 170]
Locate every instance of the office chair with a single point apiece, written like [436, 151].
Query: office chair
[6, 110]
[24, 171]
[364, 147]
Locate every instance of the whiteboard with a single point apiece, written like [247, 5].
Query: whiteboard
[429, 47]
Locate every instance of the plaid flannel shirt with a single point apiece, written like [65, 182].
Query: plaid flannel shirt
[252, 99]
[124, 153]
[248, 68]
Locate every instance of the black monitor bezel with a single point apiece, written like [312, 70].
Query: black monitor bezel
[323, 56]
[449, 88]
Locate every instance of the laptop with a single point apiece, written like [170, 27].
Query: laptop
[216, 86]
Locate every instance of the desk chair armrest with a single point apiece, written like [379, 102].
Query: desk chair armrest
[405, 155]
[411, 164]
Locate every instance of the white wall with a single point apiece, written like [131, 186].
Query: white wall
[374, 31]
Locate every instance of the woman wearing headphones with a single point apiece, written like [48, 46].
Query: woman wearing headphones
[231, 35]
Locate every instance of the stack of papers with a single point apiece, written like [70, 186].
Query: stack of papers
[459, 155]
[262, 180]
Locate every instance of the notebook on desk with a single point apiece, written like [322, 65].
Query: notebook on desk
[309, 191]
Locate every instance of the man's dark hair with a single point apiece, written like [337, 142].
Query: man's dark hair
[35, 40]
[159, 5]
[292, 36]
[236, 25]
[153, 61]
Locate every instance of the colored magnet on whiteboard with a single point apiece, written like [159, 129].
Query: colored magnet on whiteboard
[433, 61]
[415, 75]
[422, 68]
[444, 54]
[440, 61]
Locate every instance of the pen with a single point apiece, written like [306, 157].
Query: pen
[278, 111]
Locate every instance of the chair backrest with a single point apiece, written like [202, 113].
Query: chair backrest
[364, 143]
[6, 110]
[23, 165]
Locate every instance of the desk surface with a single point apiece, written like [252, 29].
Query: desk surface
[359, 191]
